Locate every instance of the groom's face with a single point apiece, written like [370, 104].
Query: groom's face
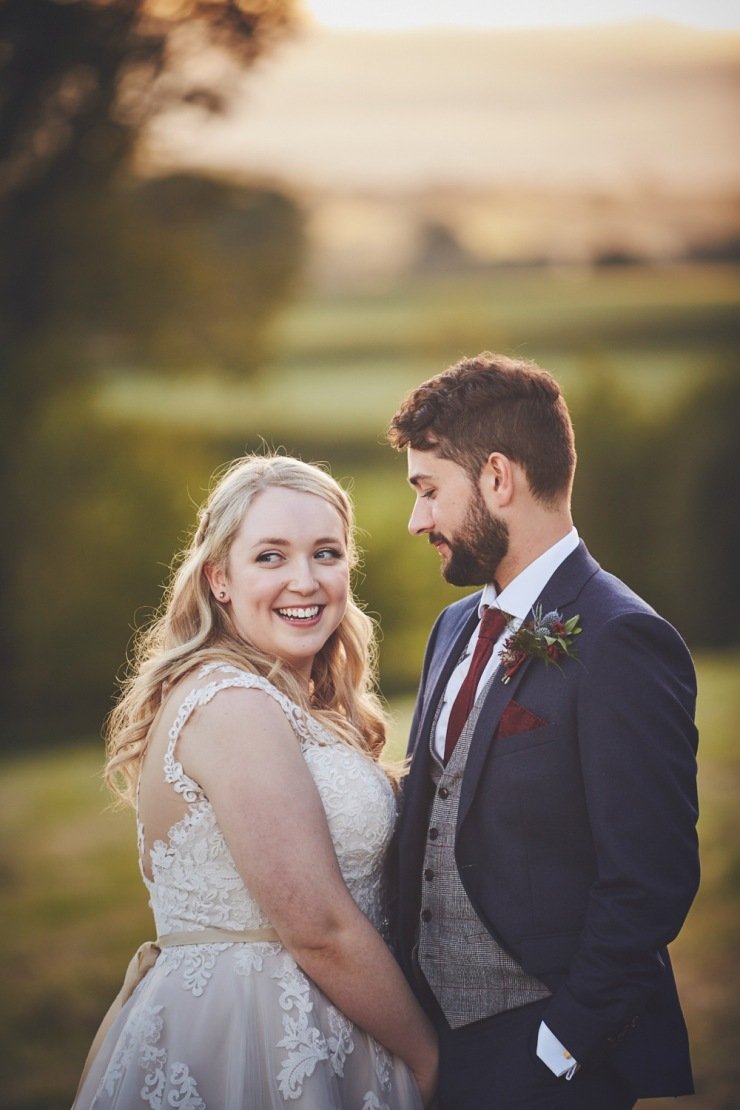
[451, 512]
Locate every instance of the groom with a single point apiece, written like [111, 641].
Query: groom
[547, 850]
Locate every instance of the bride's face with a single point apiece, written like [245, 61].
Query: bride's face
[287, 576]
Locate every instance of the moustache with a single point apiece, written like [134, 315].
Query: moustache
[437, 537]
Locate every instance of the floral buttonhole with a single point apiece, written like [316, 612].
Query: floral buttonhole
[547, 637]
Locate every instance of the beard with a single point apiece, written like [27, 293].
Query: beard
[479, 547]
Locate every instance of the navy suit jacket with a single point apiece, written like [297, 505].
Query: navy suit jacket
[576, 839]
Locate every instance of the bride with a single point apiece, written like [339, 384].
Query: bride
[248, 738]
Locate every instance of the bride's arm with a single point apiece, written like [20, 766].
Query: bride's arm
[243, 752]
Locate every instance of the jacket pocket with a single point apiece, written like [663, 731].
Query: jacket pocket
[515, 719]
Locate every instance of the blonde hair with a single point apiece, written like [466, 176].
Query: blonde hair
[193, 628]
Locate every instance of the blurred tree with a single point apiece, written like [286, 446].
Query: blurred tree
[79, 82]
[656, 495]
[613, 491]
[177, 273]
[699, 494]
[96, 549]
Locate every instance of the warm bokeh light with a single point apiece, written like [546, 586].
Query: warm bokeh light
[397, 14]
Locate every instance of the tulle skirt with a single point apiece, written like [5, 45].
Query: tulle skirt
[239, 1027]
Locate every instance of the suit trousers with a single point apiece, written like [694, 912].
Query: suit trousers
[493, 1065]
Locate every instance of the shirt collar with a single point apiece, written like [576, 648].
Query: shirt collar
[522, 592]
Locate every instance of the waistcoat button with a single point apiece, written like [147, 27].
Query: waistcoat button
[443, 793]
[429, 874]
[426, 915]
[433, 834]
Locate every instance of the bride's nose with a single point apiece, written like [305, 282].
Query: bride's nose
[303, 579]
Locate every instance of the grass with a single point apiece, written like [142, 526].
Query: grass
[74, 909]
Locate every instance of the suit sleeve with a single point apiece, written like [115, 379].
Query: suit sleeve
[392, 861]
[637, 743]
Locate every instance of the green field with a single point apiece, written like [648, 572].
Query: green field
[73, 909]
[643, 354]
[341, 363]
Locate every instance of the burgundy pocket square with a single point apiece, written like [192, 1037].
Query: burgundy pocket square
[515, 718]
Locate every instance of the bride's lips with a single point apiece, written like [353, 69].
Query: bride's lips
[300, 616]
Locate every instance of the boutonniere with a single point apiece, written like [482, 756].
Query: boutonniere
[547, 637]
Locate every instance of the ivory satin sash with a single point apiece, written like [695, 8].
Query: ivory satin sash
[144, 960]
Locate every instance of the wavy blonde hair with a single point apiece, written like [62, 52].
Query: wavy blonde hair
[192, 628]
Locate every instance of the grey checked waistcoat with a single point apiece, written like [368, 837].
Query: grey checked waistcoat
[470, 974]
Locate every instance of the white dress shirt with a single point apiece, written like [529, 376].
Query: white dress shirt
[517, 599]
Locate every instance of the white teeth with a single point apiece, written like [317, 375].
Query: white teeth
[300, 614]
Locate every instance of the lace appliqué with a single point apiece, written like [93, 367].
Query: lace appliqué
[195, 884]
[195, 962]
[162, 1081]
[303, 725]
[383, 1065]
[194, 879]
[372, 1102]
[340, 1042]
[360, 810]
[251, 957]
[306, 1045]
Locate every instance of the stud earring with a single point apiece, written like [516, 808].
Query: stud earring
[222, 595]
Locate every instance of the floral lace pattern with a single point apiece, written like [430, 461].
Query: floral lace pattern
[164, 1084]
[195, 884]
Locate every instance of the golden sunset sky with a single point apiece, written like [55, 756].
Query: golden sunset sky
[397, 14]
[607, 107]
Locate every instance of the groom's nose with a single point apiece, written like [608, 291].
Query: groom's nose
[420, 520]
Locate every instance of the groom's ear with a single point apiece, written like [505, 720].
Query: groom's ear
[497, 480]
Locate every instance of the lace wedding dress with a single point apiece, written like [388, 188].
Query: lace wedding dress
[238, 1026]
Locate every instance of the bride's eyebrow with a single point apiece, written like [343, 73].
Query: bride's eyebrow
[280, 542]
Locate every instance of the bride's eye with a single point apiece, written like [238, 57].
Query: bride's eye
[327, 553]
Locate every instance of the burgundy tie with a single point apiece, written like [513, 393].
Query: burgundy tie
[492, 624]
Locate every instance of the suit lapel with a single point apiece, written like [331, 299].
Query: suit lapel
[445, 662]
[449, 650]
[563, 587]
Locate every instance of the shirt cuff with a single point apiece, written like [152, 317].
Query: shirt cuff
[555, 1055]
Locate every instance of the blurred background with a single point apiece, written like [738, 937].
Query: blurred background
[226, 224]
